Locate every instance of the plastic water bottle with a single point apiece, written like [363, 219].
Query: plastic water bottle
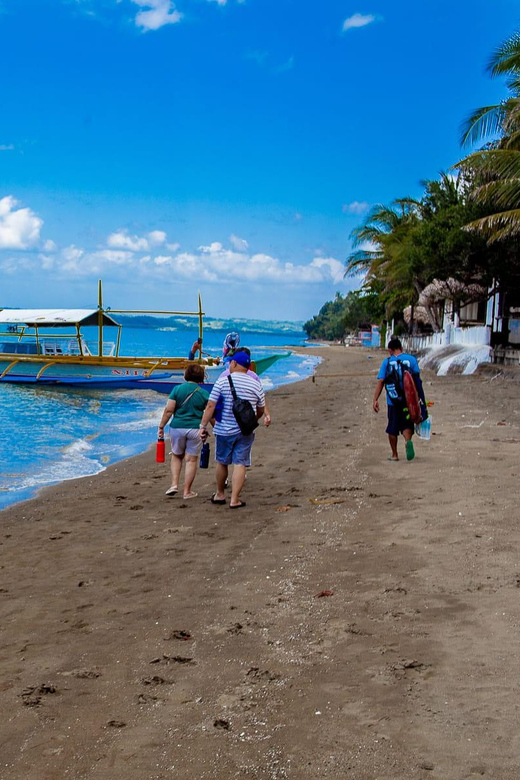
[204, 455]
[159, 452]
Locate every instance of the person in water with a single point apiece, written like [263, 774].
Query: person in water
[398, 419]
[184, 409]
[195, 347]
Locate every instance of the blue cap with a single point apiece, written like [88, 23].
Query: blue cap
[242, 358]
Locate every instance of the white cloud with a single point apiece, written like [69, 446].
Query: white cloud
[49, 246]
[72, 252]
[240, 244]
[330, 264]
[214, 263]
[121, 240]
[158, 13]
[19, 228]
[358, 20]
[356, 207]
[47, 262]
[157, 237]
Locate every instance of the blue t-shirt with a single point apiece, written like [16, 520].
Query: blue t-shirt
[408, 361]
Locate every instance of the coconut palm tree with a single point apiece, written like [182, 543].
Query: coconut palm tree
[495, 170]
[384, 252]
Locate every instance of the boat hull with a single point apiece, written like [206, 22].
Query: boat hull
[109, 377]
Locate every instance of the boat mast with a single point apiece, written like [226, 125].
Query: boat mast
[200, 328]
[100, 319]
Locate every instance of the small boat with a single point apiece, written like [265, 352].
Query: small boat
[47, 348]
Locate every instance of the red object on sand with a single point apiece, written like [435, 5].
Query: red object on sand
[159, 454]
[412, 398]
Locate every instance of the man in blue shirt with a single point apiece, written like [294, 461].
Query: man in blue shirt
[398, 419]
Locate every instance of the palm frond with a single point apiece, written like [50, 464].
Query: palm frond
[506, 58]
[499, 194]
[504, 225]
[482, 123]
[501, 163]
[359, 261]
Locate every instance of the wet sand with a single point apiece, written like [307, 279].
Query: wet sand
[358, 619]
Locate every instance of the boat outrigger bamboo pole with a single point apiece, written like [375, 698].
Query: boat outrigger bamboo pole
[200, 329]
[100, 319]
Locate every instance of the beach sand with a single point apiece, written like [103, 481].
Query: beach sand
[358, 619]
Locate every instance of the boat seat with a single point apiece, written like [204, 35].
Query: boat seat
[51, 348]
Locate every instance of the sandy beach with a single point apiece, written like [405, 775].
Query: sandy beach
[358, 619]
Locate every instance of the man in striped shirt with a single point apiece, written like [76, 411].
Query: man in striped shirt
[232, 446]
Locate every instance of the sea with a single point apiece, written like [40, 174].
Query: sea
[52, 435]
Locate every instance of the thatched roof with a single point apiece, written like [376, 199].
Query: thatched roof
[419, 315]
[451, 289]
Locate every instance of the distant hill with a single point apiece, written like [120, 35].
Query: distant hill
[210, 323]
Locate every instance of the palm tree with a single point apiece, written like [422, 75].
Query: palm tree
[383, 251]
[495, 170]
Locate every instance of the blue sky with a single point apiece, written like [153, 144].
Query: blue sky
[226, 146]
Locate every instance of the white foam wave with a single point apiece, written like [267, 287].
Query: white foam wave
[61, 471]
[77, 447]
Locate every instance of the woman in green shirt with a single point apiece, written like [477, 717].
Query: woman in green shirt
[186, 403]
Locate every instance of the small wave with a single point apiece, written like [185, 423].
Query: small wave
[77, 447]
[149, 418]
[267, 382]
[61, 471]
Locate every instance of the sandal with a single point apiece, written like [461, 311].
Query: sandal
[410, 452]
[217, 500]
[237, 506]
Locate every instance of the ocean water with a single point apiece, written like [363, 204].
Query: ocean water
[48, 436]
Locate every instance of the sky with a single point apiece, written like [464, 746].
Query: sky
[226, 147]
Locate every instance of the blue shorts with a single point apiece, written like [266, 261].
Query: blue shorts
[398, 421]
[234, 449]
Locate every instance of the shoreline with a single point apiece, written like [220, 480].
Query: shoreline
[134, 442]
[357, 619]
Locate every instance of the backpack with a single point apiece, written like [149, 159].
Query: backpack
[394, 380]
[243, 411]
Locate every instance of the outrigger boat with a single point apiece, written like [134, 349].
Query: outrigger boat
[29, 354]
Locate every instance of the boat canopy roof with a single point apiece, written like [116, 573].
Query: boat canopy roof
[54, 318]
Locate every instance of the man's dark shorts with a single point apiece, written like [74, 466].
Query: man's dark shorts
[398, 421]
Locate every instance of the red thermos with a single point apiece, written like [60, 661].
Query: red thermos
[159, 454]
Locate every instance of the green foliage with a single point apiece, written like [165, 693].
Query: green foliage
[465, 229]
[356, 311]
[495, 169]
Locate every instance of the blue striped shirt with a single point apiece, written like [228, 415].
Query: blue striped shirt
[246, 387]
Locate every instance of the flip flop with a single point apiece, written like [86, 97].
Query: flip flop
[171, 491]
[393, 460]
[237, 506]
[217, 500]
[190, 495]
[410, 452]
